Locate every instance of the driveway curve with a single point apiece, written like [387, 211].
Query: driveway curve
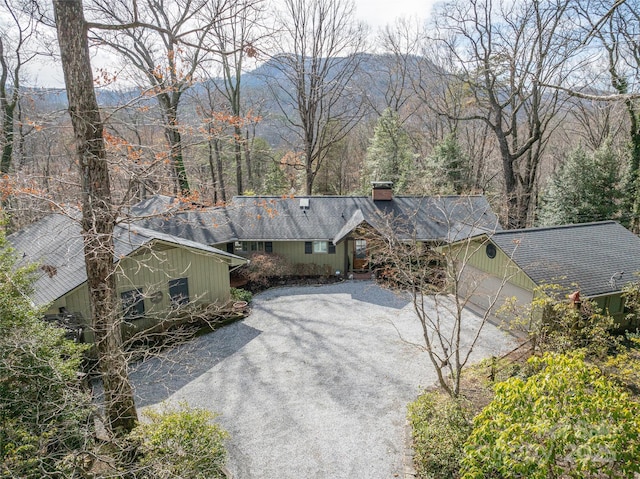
[314, 383]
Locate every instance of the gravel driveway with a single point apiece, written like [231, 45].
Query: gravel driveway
[313, 384]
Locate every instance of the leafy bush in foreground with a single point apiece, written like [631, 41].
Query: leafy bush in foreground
[567, 420]
[45, 415]
[181, 443]
[440, 427]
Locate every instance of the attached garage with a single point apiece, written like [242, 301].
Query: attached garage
[596, 259]
[489, 276]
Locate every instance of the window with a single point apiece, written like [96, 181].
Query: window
[332, 248]
[179, 291]
[320, 246]
[491, 250]
[308, 247]
[248, 246]
[132, 304]
[268, 247]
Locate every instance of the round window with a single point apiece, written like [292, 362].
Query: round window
[491, 250]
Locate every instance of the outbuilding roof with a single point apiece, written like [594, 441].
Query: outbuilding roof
[55, 243]
[596, 258]
[329, 218]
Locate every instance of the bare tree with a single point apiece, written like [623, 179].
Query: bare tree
[399, 61]
[314, 87]
[98, 217]
[614, 30]
[166, 43]
[502, 55]
[212, 129]
[236, 40]
[15, 53]
[442, 282]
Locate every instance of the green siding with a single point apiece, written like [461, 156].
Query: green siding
[293, 251]
[150, 271]
[500, 266]
[614, 306]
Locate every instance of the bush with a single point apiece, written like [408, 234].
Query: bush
[45, 422]
[440, 427]
[239, 294]
[567, 420]
[264, 266]
[556, 326]
[181, 442]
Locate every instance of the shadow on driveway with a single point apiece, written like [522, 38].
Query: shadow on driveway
[364, 291]
[158, 378]
[313, 384]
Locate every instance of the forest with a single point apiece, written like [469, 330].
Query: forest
[532, 103]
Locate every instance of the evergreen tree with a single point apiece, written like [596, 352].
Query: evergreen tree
[448, 168]
[389, 156]
[585, 188]
[275, 180]
[44, 414]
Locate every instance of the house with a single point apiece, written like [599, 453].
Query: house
[596, 259]
[319, 233]
[156, 272]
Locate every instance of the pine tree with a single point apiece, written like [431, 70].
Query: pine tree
[448, 168]
[44, 413]
[389, 156]
[585, 188]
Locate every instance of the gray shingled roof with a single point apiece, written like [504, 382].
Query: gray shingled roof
[55, 242]
[589, 257]
[329, 218]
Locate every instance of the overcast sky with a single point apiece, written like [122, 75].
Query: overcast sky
[376, 13]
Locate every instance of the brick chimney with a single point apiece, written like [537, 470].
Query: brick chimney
[382, 190]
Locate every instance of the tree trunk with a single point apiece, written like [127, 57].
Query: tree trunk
[8, 106]
[220, 168]
[212, 169]
[634, 168]
[97, 213]
[309, 173]
[175, 145]
[237, 136]
[247, 161]
[7, 148]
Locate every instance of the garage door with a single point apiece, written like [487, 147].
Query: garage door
[480, 289]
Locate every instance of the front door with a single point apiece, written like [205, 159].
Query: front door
[360, 256]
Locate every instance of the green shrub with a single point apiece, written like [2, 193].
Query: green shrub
[239, 294]
[181, 442]
[45, 424]
[440, 426]
[567, 420]
[555, 326]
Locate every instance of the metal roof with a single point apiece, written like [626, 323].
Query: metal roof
[55, 242]
[595, 258]
[330, 218]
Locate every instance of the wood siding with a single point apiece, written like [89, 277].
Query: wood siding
[482, 277]
[150, 272]
[294, 252]
[501, 266]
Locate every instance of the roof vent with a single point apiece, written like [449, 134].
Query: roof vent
[382, 190]
[304, 203]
